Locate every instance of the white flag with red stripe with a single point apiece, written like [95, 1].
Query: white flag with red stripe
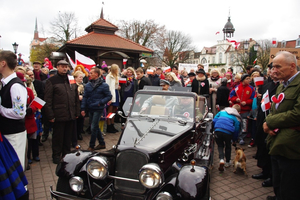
[38, 103]
[259, 81]
[110, 115]
[150, 71]
[167, 69]
[254, 61]
[72, 63]
[71, 79]
[84, 61]
[122, 80]
[265, 102]
[234, 43]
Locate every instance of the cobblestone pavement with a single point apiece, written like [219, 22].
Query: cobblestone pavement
[226, 185]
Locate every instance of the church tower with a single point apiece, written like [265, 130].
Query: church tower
[36, 32]
[228, 29]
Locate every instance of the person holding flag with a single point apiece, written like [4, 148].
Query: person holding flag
[283, 128]
[243, 95]
[267, 90]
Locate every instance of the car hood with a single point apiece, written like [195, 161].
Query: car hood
[152, 135]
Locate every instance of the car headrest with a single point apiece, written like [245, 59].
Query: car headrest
[158, 100]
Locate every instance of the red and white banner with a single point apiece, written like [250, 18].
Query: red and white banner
[218, 32]
[110, 115]
[72, 63]
[124, 61]
[265, 102]
[122, 80]
[38, 103]
[274, 42]
[71, 79]
[84, 61]
[259, 81]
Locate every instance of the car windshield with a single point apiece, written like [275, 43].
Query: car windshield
[167, 106]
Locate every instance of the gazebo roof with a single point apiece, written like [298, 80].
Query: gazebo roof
[101, 34]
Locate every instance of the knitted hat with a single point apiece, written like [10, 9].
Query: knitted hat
[244, 76]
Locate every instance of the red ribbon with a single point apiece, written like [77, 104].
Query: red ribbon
[279, 99]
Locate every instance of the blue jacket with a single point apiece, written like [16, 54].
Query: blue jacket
[228, 121]
[96, 95]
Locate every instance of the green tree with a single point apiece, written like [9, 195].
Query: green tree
[64, 27]
[40, 52]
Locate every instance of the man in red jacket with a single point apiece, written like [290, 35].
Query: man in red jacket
[243, 95]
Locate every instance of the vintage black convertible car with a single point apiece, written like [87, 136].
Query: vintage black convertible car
[165, 152]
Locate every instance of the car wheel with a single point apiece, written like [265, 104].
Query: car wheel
[64, 186]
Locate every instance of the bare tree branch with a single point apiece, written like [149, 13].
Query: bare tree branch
[64, 27]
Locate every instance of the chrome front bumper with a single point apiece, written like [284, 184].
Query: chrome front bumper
[60, 195]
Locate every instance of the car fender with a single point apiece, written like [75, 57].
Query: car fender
[192, 181]
[72, 163]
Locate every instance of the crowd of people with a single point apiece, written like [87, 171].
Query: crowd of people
[72, 94]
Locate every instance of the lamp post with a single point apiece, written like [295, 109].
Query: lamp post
[15, 46]
[252, 52]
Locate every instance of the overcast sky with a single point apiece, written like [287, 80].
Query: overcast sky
[200, 19]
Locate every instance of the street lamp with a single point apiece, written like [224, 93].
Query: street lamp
[255, 47]
[246, 45]
[15, 46]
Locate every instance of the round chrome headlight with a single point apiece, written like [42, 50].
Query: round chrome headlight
[151, 176]
[164, 196]
[76, 184]
[97, 167]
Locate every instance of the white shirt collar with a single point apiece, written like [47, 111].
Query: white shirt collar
[7, 79]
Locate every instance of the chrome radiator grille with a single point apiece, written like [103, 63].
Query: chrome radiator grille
[128, 164]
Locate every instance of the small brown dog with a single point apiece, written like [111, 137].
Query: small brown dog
[240, 160]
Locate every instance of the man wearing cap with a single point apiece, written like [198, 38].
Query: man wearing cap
[62, 108]
[243, 95]
[38, 74]
[13, 105]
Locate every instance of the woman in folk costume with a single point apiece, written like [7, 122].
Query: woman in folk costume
[214, 83]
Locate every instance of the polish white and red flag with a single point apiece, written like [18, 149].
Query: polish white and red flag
[274, 42]
[110, 115]
[265, 102]
[72, 63]
[254, 61]
[122, 80]
[71, 79]
[150, 71]
[218, 32]
[259, 81]
[234, 43]
[167, 69]
[84, 61]
[37, 102]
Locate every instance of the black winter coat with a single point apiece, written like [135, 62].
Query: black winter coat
[204, 87]
[62, 102]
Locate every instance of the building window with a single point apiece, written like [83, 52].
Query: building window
[203, 61]
[213, 59]
[298, 43]
[220, 57]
